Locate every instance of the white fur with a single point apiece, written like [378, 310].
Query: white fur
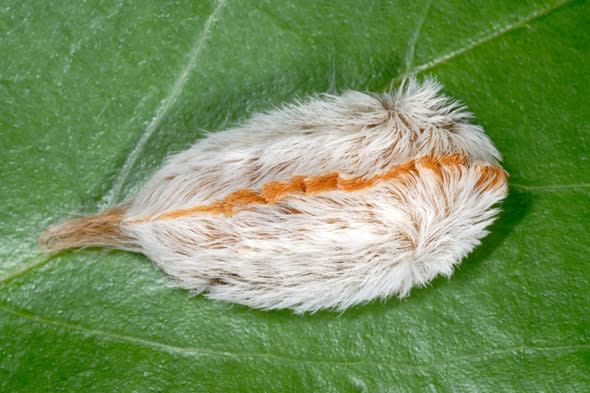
[353, 134]
[342, 249]
[339, 248]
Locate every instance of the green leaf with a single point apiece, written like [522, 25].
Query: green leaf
[96, 94]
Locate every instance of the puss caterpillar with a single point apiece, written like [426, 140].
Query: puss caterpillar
[323, 204]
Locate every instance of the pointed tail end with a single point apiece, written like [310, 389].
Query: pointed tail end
[102, 230]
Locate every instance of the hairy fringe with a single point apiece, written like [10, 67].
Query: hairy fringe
[101, 230]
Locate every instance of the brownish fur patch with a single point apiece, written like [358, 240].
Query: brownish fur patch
[102, 230]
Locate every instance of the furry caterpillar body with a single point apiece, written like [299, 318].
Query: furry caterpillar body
[325, 204]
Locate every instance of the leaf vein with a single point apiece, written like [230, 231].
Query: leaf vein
[495, 34]
[33, 263]
[155, 345]
[414, 39]
[168, 102]
[550, 187]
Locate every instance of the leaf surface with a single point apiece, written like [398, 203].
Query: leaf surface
[95, 95]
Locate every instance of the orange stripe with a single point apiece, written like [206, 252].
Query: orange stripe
[276, 191]
[240, 198]
[318, 184]
[214, 208]
[355, 184]
[490, 176]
